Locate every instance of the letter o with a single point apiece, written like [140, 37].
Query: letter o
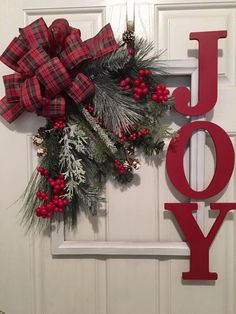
[224, 160]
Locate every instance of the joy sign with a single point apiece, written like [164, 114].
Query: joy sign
[183, 212]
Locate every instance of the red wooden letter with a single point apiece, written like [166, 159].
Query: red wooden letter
[224, 160]
[207, 91]
[199, 244]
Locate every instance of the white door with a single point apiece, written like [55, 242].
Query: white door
[32, 281]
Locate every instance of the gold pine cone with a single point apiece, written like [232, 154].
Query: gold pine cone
[42, 152]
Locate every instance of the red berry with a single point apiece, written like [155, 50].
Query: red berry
[122, 170]
[166, 98]
[147, 72]
[46, 173]
[43, 211]
[127, 87]
[143, 85]
[139, 91]
[122, 83]
[90, 108]
[60, 203]
[133, 136]
[49, 206]
[127, 80]
[145, 91]
[141, 72]
[38, 211]
[136, 96]
[154, 97]
[122, 138]
[39, 169]
[131, 51]
[136, 83]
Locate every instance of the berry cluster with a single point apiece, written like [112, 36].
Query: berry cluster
[42, 196]
[161, 94]
[133, 136]
[44, 172]
[57, 184]
[90, 108]
[57, 201]
[126, 83]
[139, 86]
[122, 138]
[59, 124]
[118, 165]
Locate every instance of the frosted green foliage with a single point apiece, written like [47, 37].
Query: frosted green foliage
[112, 62]
[100, 132]
[73, 143]
[117, 110]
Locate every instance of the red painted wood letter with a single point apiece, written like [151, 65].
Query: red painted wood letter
[224, 159]
[207, 91]
[199, 244]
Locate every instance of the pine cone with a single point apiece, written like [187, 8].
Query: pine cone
[37, 140]
[128, 37]
[43, 132]
[42, 152]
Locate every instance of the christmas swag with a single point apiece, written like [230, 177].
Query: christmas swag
[101, 101]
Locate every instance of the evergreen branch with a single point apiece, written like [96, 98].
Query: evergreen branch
[73, 140]
[112, 62]
[100, 132]
[118, 111]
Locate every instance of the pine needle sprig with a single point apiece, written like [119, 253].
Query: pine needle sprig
[118, 111]
[100, 132]
[110, 63]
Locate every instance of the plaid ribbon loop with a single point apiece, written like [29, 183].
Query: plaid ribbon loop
[44, 78]
[32, 60]
[75, 52]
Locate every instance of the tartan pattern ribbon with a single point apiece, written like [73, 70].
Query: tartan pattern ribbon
[46, 64]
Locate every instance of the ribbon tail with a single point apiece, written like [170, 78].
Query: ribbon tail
[103, 43]
[10, 111]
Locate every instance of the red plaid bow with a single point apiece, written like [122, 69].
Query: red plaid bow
[44, 64]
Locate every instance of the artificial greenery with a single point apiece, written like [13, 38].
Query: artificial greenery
[95, 144]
